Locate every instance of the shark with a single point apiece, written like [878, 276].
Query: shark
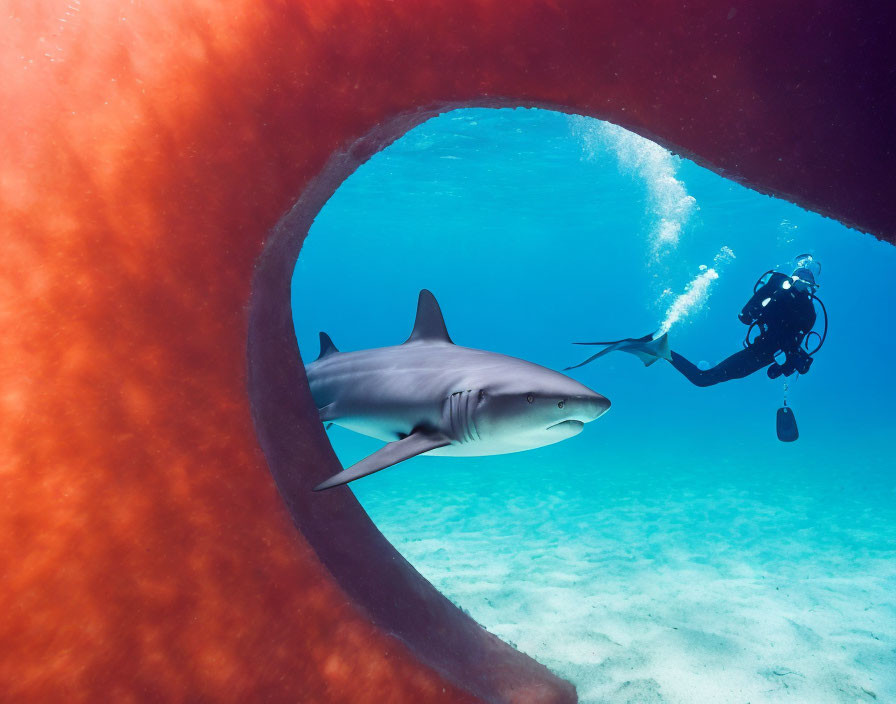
[429, 396]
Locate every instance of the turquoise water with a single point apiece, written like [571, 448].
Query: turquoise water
[675, 550]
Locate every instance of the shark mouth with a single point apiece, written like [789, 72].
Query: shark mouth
[576, 425]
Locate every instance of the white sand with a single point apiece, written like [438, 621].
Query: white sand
[640, 589]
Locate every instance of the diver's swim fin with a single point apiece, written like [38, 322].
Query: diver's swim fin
[648, 349]
[414, 444]
[785, 424]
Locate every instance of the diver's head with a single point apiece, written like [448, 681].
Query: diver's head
[805, 275]
[804, 280]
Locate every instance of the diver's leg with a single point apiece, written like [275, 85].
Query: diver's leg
[737, 366]
[690, 370]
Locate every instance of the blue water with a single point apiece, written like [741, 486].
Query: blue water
[674, 551]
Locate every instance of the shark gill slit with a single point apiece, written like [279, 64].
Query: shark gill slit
[452, 415]
[471, 403]
[462, 415]
[465, 415]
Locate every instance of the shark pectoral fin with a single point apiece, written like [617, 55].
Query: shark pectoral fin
[414, 444]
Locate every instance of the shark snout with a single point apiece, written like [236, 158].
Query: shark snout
[586, 407]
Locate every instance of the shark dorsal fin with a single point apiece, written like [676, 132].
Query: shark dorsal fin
[429, 325]
[326, 346]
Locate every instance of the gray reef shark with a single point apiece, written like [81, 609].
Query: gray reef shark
[430, 396]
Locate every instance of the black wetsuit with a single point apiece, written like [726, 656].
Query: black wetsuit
[784, 315]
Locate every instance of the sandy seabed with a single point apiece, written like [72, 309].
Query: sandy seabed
[663, 584]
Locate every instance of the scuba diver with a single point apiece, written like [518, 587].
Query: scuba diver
[782, 310]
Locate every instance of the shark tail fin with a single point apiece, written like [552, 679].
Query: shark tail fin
[429, 325]
[326, 346]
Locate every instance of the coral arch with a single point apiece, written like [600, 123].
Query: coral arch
[149, 149]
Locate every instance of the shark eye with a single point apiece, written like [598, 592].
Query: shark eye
[481, 394]
[561, 404]
[530, 398]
